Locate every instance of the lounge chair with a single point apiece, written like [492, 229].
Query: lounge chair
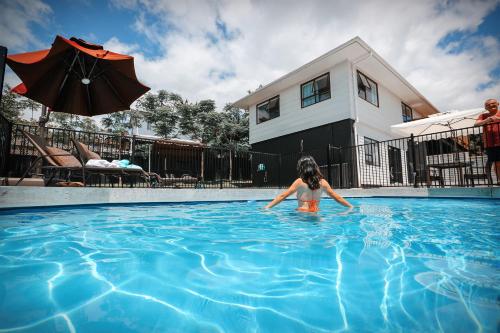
[86, 154]
[57, 159]
[60, 160]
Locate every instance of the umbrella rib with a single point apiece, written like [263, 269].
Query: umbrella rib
[81, 67]
[113, 90]
[68, 71]
[88, 99]
[93, 66]
[67, 75]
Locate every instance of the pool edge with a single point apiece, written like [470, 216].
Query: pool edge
[25, 197]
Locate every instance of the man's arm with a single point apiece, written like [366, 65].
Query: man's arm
[331, 193]
[481, 122]
[292, 189]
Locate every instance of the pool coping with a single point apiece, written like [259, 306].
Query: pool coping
[32, 196]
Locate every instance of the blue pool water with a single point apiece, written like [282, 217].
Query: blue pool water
[412, 265]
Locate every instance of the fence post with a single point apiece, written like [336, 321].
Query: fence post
[4, 162]
[220, 169]
[414, 159]
[132, 155]
[329, 164]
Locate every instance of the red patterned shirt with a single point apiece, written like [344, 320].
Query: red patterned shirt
[491, 132]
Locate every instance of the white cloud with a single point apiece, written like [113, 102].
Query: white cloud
[275, 37]
[271, 38]
[16, 19]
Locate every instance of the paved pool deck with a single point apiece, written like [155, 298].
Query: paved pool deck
[27, 196]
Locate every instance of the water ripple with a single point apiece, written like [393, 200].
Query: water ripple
[389, 265]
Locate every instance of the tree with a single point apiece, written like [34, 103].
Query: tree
[161, 111]
[200, 121]
[119, 122]
[88, 124]
[64, 120]
[12, 105]
[31, 105]
[234, 133]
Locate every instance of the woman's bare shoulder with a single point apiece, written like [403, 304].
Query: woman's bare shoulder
[298, 180]
[324, 183]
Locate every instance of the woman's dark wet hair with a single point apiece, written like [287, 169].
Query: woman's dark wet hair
[308, 171]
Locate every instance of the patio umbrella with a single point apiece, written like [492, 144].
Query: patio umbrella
[451, 121]
[440, 122]
[77, 77]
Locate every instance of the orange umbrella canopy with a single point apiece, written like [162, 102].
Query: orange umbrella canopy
[77, 77]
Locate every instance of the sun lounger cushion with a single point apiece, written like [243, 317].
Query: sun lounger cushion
[66, 160]
[89, 154]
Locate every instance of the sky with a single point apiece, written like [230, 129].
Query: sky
[448, 49]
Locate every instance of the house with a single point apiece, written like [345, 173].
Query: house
[349, 96]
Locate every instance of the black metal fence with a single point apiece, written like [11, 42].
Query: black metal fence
[5, 138]
[444, 159]
[450, 158]
[177, 164]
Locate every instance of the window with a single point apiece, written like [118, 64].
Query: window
[407, 112]
[268, 110]
[372, 154]
[316, 90]
[367, 89]
[148, 125]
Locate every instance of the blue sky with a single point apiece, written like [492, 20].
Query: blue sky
[94, 21]
[464, 40]
[219, 49]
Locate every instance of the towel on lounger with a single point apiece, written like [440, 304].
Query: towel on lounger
[125, 164]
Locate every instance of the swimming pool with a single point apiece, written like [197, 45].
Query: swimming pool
[390, 265]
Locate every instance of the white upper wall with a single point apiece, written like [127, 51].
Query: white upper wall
[342, 63]
[294, 118]
[375, 122]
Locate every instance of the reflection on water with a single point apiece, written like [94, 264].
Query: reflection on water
[415, 265]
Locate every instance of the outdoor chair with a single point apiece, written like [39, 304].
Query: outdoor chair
[179, 182]
[86, 154]
[59, 160]
[434, 175]
[476, 173]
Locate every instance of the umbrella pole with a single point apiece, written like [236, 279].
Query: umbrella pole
[42, 132]
[42, 121]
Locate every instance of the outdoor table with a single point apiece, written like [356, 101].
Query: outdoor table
[450, 165]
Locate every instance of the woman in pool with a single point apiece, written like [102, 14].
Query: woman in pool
[309, 187]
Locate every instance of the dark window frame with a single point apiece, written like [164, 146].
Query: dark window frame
[374, 145]
[316, 93]
[405, 107]
[360, 75]
[266, 101]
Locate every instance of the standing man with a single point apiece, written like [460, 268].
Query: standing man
[491, 136]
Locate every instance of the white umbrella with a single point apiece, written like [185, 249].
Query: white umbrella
[445, 121]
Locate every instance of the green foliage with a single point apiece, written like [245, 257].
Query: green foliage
[63, 120]
[120, 122]
[161, 111]
[88, 125]
[12, 105]
[171, 116]
[200, 121]
[168, 113]
[72, 122]
[234, 131]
